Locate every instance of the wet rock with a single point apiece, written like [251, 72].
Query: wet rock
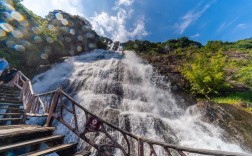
[234, 120]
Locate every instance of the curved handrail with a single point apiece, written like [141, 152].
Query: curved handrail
[55, 104]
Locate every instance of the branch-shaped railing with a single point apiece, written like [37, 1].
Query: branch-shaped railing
[56, 104]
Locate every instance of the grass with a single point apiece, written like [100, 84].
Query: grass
[236, 98]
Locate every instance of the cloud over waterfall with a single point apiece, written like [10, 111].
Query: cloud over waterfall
[114, 26]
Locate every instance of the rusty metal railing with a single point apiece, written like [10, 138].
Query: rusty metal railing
[56, 104]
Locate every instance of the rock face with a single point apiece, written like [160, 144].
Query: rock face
[233, 119]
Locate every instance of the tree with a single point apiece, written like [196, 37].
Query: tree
[245, 75]
[206, 73]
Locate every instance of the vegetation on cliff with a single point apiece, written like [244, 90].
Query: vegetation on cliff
[219, 70]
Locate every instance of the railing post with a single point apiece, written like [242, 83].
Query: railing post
[27, 107]
[140, 147]
[53, 107]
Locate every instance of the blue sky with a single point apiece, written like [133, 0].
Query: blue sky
[159, 20]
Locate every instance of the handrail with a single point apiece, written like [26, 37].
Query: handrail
[55, 104]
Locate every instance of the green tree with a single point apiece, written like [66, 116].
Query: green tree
[245, 75]
[206, 73]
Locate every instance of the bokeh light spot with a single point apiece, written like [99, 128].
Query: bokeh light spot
[2, 33]
[64, 22]
[72, 31]
[51, 27]
[17, 34]
[80, 38]
[85, 28]
[19, 48]
[10, 43]
[68, 39]
[7, 16]
[26, 43]
[91, 45]
[6, 27]
[35, 30]
[90, 35]
[64, 28]
[49, 40]
[7, 6]
[37, 39]
[17, 16]
[79, 48]
[59, 16]
[44, 56]
[24, 23]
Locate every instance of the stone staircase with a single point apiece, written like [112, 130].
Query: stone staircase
[11, 106]
[18, 138]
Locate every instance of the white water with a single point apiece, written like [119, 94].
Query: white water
[124, 87]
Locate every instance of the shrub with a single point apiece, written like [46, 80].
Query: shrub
[245, 75]
[206, 73]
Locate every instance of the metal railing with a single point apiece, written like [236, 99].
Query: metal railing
[56, 104]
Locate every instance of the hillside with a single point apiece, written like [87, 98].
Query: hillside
[38, 42]
[215, 69]
[217, 75]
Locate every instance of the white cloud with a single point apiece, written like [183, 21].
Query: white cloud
[195, 35]
[125, 2]
[227, 24]
[114, 26]
[190, 17]
[242, 26]
[43, 7]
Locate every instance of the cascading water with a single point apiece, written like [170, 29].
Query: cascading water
[128, 93]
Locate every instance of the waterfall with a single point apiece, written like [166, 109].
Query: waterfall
[130, 94]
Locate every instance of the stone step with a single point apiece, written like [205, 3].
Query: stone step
[9, 88]
[11, 101]
[11, 108]
[31, 142]
[58, 148]
[11, 104]
[10, 134]
[10, 119]
[2, 97]
[10, 114]
[8, 94]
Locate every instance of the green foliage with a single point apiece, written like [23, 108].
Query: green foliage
[210, 68]
[235, 98]
[241, 44]
[214, 45]
[12, 56]
[182, 42]
[171, 45]
[245, 75]
[206, 73]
